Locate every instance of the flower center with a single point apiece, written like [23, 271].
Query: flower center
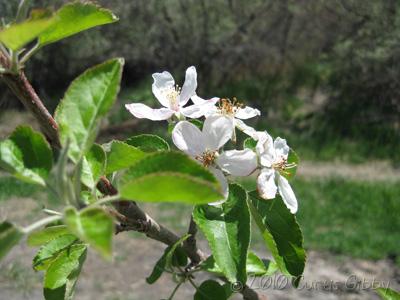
[229, 107]
[282, 166]
[207, 158]
[172, 94]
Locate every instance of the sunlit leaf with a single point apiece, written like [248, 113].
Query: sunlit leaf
[121, 155]
[227, 229]
[93, 226]
[148, 143]
[86, 101]
[93, 166]
[40, 237]
[63, 272]
[169, 177]
[73, 18]
[281, 233]
[51, 249]
[15, 36]
[27, 155]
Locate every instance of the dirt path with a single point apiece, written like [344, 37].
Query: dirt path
[371, 171]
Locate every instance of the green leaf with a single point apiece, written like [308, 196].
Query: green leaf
[281, 233]
[249, 143]
[49, 251]
[10, 235]
[18, 35]
[148, 143]
[210, 290]
[227, 229]
[197, 123]
[63, 272]
[38, 238]
[166, 261]
[93, 226]
[93, 166]
[293, 159]
[27, 155]
[73, 18]
[86, 101]
[258, 266]
[169, 177]
[121, 156]
[388, 294]
[254, 265]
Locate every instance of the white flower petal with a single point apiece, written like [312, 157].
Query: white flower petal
[224, 185]
[281, 147]
[266, 184]
[189, 86]
[162, 83]
[217, 131]
[142, 111]
[250, 131]
[238, 162]
[265, 144]
[198, 110]
[188, 138]
[247, 113]
[288, 196]
[197, 100]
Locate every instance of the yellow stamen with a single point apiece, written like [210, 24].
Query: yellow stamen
[172, 94]
[229, 107]
[207, 158]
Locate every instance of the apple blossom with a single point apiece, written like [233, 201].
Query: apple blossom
[273, 159]
[204, 147]
[171, 97]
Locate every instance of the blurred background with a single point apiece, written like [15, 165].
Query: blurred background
[324, 73]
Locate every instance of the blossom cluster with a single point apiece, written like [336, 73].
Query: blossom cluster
[222, 117]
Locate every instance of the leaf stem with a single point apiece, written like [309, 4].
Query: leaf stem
[106, 200]
[4, 50]
[41, 223]
[175, 290]
[29, 54]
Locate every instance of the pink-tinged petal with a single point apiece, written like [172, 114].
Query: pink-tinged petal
[217, 131]
[162, 83]
[266, 184]
[238, 162]
[189, 86]
[188, 138]
[288, 196]
[142, 111]
[247, 113]
[250, 131]
[281, 147]
[198, 110]
[224, 185]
